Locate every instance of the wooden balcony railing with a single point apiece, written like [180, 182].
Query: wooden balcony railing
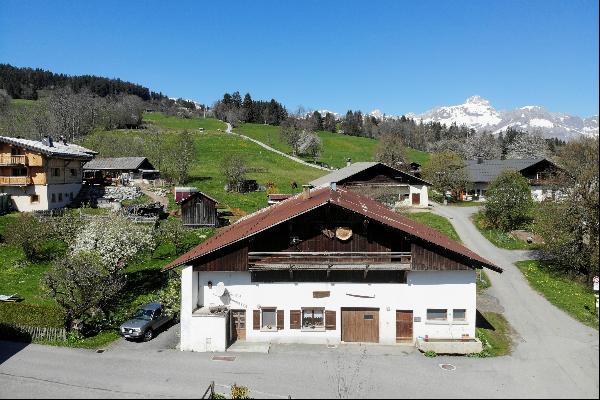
[7, 159]
[15, 180]
[323, 259]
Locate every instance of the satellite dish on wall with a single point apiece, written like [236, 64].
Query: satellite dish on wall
[219, 290]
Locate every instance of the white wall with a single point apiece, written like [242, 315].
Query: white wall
[426, 289]
[418, 189]
[21, 196]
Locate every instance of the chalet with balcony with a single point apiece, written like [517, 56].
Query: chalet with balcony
[540, 172]
[380, 181]
[41, 175]
[325, 266]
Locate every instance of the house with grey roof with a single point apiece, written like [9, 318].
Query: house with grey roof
[381, 182]
[41, 175]
[539, 171]
[133, 167]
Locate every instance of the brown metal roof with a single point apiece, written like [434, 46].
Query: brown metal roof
[294, 206]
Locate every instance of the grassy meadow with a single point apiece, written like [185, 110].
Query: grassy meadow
[573, 297]
[337, 148]
[436, 222]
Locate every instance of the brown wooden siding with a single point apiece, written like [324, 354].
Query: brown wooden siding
[429, 260]
[233, 258]
[308, 229]
[199, 211]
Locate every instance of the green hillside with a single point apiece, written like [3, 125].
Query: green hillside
[176, 123]
[337, 148]
[211, 147]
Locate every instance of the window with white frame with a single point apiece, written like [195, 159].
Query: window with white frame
[313, 318]
[268, 319]
[437, 314]
[459, 314]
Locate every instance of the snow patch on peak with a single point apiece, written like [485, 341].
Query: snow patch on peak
[477, 100]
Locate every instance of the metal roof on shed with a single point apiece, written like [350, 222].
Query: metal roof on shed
[117, 163]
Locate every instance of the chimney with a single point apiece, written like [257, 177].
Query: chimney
[348, 162]
[479, 160]
[48, 141]
[333, 186]
[306, 191]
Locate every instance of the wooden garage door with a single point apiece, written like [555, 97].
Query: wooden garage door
[404, 325]
[360, 325]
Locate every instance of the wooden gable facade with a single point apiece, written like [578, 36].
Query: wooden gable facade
[199, 210]
[381, 174]
[308, 245]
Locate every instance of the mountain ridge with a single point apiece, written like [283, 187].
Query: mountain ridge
[478, 113]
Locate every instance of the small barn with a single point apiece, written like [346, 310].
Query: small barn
[134, 167]
[198, 210]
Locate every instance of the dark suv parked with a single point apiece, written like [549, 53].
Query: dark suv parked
[145, 322]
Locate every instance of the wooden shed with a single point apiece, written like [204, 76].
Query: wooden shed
[198, 210]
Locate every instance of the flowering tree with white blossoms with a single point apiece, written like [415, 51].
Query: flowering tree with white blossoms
[117, 241]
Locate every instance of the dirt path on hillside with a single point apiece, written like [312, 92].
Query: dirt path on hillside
[281, 153]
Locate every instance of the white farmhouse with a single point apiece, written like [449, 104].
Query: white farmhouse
[327, 266]
[41, 175]
[379, 180]
[540, 172]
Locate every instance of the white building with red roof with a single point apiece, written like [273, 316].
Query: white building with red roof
[327, 266]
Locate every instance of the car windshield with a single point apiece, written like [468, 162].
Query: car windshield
[143, 314]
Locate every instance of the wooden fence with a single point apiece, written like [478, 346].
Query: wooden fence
[15, 332]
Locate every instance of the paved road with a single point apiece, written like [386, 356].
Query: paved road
[548, 336]
[281, 153]
[556, 357]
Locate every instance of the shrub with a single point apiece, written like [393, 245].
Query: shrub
[117, 241]
[239, 392]
[509, 201]
[41, 241]
[31, 315]
[44, 250]
[430, 354]
[170, 295]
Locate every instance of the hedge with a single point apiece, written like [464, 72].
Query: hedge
[31, 315]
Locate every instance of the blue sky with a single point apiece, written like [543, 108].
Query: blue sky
[393, 55]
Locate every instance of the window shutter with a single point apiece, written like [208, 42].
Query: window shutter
[280, 317]
[329, 320]
[295, 319]
[256, 320]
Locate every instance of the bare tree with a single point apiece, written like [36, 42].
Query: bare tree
[391, 150]
[234, 168]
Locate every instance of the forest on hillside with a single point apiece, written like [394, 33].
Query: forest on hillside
[26, 83]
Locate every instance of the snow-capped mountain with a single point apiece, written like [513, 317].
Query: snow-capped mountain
[478, 113]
